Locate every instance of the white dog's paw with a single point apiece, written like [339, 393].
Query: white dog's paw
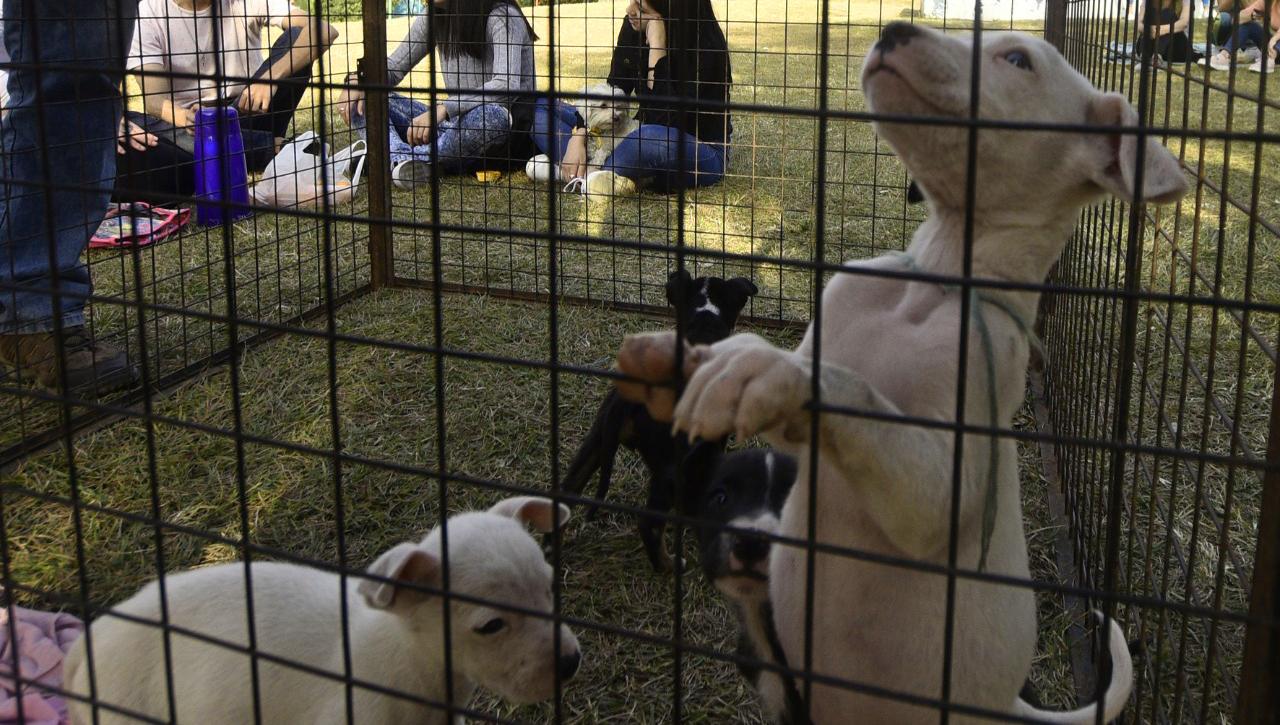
[744, 386]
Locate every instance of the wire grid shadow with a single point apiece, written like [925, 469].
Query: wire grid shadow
[322, 381]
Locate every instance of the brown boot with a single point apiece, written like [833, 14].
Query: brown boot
[92, 367]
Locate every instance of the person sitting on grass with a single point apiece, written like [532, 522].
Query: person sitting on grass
[1266, 61]
[486, 52]
[1167, 38]
[1248, 38]
[174, 57]
[667, 49]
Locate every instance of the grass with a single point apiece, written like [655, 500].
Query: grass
[497, 415]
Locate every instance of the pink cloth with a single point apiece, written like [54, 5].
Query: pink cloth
[43, 641]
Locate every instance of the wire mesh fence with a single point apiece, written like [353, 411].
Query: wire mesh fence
[319, 381]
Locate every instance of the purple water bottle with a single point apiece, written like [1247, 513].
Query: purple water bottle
[221, 173]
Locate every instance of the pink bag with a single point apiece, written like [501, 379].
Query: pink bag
[137, 224]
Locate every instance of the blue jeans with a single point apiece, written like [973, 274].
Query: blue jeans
[1246, 34]
[671, 158]
[460, 140]
[75, 148]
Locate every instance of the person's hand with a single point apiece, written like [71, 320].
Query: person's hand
[256, 97]
[574, 163]
[421, 127]
[181, 117]
[350, 103]
[133, 136]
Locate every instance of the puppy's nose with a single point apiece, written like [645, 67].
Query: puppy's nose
[750, 549]
[895, 34]
[569, 664]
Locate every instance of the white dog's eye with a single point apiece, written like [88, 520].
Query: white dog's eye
[493, 626]
[1019, 59]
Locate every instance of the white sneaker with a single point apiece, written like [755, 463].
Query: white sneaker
[1248, 55]
[409, 173]
[540, 170]
[1221, 61]
[1260, 65]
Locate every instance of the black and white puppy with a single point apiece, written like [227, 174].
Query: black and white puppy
[708, 309]
[744, 492]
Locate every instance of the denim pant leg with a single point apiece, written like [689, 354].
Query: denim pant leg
[1247, 34]
[1222, 33]
[669, 156]
[461, 140]
[553, 123]
[75, 147]
[401, 111]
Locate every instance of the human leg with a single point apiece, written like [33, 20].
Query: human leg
[58, 162]
[668, 156]
[553, 124]
[1241, 36]
[401, 110]
[551, 129]
[1246, 34]
[457, 143]
[261, 131]
[1223, 31]
[1176, 48]
[158, 173]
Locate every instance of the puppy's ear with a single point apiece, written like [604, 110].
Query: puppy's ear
[700, 466]
[407, 563]
[744, 285]
[1114, 161]
[703, 459]
[677, 286]
[535, 511]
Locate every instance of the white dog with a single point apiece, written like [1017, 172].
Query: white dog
[890, 346]
[395, 632]
[609, 115]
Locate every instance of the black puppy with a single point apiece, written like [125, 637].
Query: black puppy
[746, 490]
[708, 308]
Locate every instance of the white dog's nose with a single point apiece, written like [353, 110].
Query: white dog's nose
[895, 34]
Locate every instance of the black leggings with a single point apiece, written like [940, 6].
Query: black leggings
[1174, 47]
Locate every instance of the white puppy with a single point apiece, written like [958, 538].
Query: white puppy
[609, 115]
[396, 633]
[891, 347]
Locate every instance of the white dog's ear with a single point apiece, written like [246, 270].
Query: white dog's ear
[534, 511]
[407, 563]
[1114, 165]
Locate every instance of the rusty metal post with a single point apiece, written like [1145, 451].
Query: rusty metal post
[1259, 698]
[373, 79]
[1055, 23]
